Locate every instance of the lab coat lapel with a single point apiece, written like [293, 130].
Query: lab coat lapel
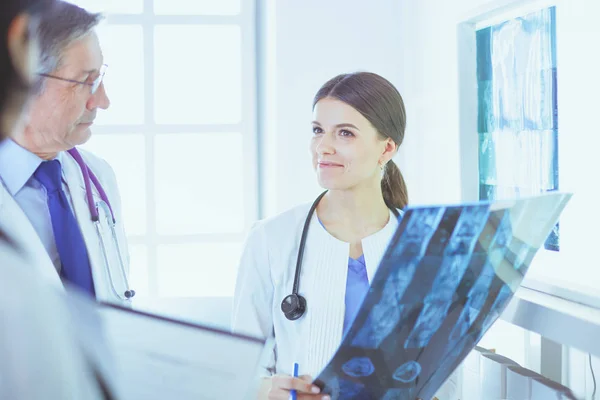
[16, 225]
[324, 273]
[74, 178]
[374, 246]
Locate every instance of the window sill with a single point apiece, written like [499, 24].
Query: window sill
[560, 320]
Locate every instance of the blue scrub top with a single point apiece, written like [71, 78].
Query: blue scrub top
[357, 287]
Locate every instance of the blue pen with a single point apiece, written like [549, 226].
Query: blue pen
[293, 392]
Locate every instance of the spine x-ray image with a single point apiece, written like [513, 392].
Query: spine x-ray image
[447, 275]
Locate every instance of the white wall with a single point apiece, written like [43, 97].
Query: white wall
[314, 41]
[430, 86]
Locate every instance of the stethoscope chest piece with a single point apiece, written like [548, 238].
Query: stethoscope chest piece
[293, 306]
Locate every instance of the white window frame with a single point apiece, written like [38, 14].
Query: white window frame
[246, 19]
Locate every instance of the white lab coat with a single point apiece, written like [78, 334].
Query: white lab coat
[266, 276]
[18, 226]
[42, 356]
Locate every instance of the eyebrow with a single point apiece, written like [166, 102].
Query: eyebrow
[345, 125]
[85, 73]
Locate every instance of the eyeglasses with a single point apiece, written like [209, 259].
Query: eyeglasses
[94, 85]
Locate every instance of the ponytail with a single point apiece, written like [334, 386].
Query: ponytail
[395, 192]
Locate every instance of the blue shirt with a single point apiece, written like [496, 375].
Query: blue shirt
[17, 166]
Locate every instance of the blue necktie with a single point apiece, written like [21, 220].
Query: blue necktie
[69, 241]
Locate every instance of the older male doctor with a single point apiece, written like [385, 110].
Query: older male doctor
[63, 202]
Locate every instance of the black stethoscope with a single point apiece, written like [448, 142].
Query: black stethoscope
[294, 305]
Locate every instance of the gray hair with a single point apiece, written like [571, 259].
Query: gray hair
[60, 26]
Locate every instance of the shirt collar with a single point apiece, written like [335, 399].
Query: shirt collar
[17, 165]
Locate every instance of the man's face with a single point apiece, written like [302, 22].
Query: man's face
[62, 114]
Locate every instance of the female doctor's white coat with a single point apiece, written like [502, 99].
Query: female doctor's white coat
[18, 227]
[266, 276]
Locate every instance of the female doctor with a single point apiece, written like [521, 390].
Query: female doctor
[359, 122]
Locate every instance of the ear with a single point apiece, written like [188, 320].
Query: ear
[389, 151]
[21, 48]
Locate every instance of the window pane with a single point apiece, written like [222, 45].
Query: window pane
[201, 85]
[111, 6]
[197, 7]
[199, 183]
[125, 154]
[123, 50]
[138, 270]
[198, 270]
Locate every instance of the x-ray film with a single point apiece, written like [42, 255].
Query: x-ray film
[447, 275]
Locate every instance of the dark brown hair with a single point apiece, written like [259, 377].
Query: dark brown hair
[379, 102]
[11, 82]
